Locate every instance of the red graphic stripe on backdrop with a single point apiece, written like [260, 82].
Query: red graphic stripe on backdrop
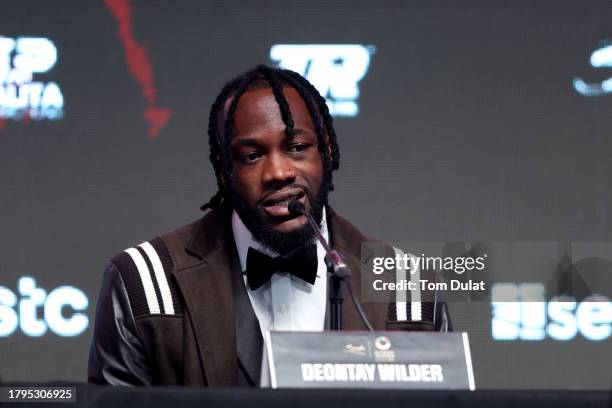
[139, 66]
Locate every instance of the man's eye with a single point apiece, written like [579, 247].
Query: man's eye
[250, 157]
[298, 147]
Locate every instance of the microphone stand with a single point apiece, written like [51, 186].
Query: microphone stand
[337, 270]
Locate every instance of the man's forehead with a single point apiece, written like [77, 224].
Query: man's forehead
[261, 102]
[248, 95]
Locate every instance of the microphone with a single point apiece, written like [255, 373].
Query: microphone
[296, 208]
[340, 271]
[331, 255]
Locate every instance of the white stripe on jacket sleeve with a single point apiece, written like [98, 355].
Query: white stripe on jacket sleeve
[145, 277]
[160, 275]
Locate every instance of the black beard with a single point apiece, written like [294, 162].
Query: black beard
[282, 242]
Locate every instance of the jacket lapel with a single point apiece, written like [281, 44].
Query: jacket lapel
[249, 342]
[225, 326]
[207, 290]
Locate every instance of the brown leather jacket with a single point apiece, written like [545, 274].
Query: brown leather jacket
[195, 325]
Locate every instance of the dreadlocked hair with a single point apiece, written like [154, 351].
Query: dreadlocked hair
[264, 77]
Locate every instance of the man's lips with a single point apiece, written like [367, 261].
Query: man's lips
[276, 205]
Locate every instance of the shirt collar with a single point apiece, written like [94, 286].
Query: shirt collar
[244, 239]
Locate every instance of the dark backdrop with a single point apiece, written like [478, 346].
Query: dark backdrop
[469, 128]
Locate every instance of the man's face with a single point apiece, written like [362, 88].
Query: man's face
[270, 169]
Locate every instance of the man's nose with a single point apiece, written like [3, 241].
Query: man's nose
[279, 168]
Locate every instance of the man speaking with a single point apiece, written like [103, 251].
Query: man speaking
[190, 306]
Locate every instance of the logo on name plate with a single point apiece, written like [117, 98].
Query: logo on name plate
[357, 350]
[382, 343]
[383, 350]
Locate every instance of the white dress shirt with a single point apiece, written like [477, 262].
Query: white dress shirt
[285, 302]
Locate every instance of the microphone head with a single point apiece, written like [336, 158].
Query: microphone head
[296, 208]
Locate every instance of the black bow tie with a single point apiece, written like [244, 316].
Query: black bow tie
[260, 267]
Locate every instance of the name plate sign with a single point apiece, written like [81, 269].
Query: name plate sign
[367, 360]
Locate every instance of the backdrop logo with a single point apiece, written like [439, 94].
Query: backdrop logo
[562, 318]
[59, 309]
[22, 96]
[335, 70]
[601, 58]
